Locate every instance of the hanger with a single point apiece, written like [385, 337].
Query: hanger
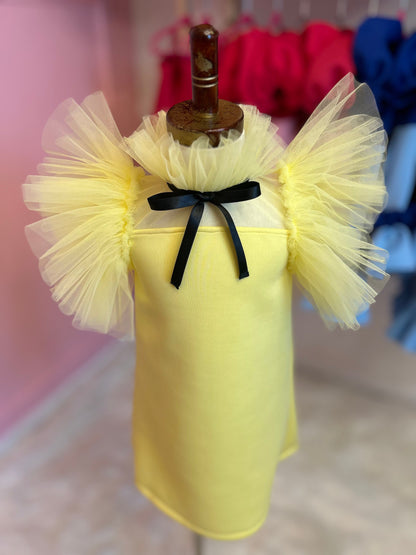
[304, 11]
[202, 11]
[175, 36]
[373, 8]
[403, 9]
[341, 13]
[276, 16]
[247, 7]
[244, 22]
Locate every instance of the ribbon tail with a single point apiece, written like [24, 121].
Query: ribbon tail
[186, 245]
[239, 251]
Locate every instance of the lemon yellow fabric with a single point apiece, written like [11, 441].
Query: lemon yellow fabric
[86, 193]
[214, 408]
[332, 187]
[213, 402]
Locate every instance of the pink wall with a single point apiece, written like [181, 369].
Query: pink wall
[48, 52]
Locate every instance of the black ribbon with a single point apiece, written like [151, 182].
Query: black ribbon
[180, 198]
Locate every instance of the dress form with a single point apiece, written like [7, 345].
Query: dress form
[205, 114]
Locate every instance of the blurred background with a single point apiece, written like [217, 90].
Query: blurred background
[66, 474]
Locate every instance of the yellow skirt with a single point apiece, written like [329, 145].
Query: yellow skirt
[214, 407]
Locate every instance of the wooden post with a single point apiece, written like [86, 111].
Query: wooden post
[204, 114]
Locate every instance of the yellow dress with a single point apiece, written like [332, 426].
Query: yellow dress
[214, 406]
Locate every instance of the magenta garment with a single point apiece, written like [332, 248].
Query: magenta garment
[283, 74]
[328, 55]
[175, 85]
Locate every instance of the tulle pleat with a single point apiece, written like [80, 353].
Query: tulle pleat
[332, 189]
[86, 193]
[326, 188]
[251, 155]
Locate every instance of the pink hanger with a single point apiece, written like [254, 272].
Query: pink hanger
[403, 9]
[276, 16]
[244, 22]
[177, 34]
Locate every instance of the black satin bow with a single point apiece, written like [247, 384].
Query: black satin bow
[180, 198]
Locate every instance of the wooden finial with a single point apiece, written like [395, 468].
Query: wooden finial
[204, 114]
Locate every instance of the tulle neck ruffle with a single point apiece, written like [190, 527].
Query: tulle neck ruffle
[252, 155]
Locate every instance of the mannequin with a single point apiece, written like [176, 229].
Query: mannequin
[205, 114]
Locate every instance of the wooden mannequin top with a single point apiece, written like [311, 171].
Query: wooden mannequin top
[204, 114]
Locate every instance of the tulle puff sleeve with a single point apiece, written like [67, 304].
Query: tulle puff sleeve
[86, 191]
[332, 190]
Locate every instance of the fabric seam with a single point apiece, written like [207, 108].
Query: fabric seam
[210, 229]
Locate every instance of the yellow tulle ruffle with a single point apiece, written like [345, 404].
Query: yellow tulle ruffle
[326, 188]
[332, 189]
[86, 193]
[251, 155]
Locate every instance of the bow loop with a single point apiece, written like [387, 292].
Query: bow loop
[181, 198]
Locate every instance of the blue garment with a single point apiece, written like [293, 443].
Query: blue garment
[405, 82]
[407, 217]
[400, 167]
[397, 239]
[403, 328]
[376, 43]
[387, 62]
[363, 318]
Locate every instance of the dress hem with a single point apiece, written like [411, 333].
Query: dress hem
[216, 536]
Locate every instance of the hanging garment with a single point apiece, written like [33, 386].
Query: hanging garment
[398, 240]
[265, 70]
[328, 57]
[175, 63]
[396, 232]
[363, 319]
[175, 85]
[214, 408]
[386, 61]
[404, 82]
[375, 46]
[282, 74]
[403, 328]
[400, 168]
